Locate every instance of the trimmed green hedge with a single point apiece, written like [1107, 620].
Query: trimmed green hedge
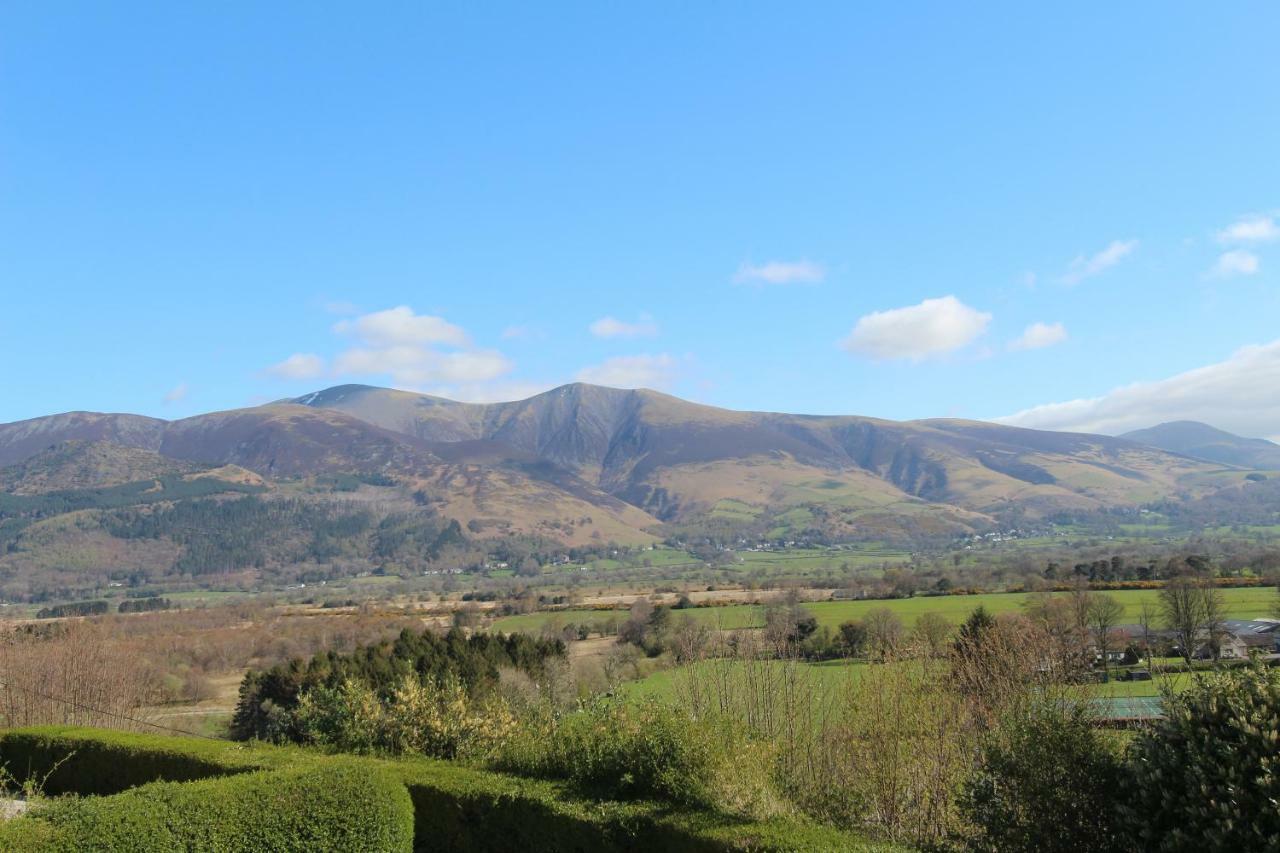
[100, 761]
[453, 808]
[335, 807]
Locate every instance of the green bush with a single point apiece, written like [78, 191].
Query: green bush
[1207, 776]
[336, 807]
[438, 718]
[28, 835]
[1047, 780]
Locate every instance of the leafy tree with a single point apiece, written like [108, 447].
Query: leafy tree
[1047, 781]
[976, 627]
[853, 638]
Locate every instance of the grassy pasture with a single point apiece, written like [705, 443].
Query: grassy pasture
[1241, 603]
[831, 676]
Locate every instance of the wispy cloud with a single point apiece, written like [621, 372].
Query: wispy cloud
[176, 394]
[1039, 336]
[632, 371]
[416, 366]
[1231, 395]
[489, 392]
[1088, 266]
[932, 328]
[611, 327]
[300, 365]
[1251, 229]
[1235, 262]
[342, 309]
[780, 272]
[520, 333]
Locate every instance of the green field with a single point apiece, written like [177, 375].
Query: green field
[791, 562]
[1240, 603]
[832, 675]
[664, 684]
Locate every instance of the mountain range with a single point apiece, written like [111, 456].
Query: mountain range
[582, 461]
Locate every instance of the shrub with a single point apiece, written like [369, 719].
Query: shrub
[441, 719]
[269, 699]
[1206, 776]
[646, 749]
[1047, 781]
[94, 761]
[336, 807]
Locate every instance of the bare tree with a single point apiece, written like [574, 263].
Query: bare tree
[1214, 613]
[1080, 600]
[1182, 605]
[1146, 618]
[1104, 614]
[884, 632]
[931, 634]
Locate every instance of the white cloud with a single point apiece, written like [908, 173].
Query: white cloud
[1240, 395]
[934, 327]
[415, 351]
[300, 365]
[632, 371]
[176, 394]
[401, 327]
[611, 327]
[780, 272]
[1251, 229]
[1086, 267]
[1233, 263]
[416, 366]
[1039, 336]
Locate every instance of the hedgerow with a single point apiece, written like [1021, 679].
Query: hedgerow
[454, 808]
[332, 806]
[99, 761]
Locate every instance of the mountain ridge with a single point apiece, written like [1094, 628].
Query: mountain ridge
[670, 459]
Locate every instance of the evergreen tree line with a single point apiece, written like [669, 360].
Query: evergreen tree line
[269, 698]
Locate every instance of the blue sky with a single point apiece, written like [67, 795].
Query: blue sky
[901, 210]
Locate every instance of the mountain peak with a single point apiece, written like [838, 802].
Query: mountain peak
[1204, 441]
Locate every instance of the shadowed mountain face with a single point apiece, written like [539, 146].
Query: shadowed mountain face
[23, 439]
[617, 461]
[672, 457]
[70, 465]
[1205, 442]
